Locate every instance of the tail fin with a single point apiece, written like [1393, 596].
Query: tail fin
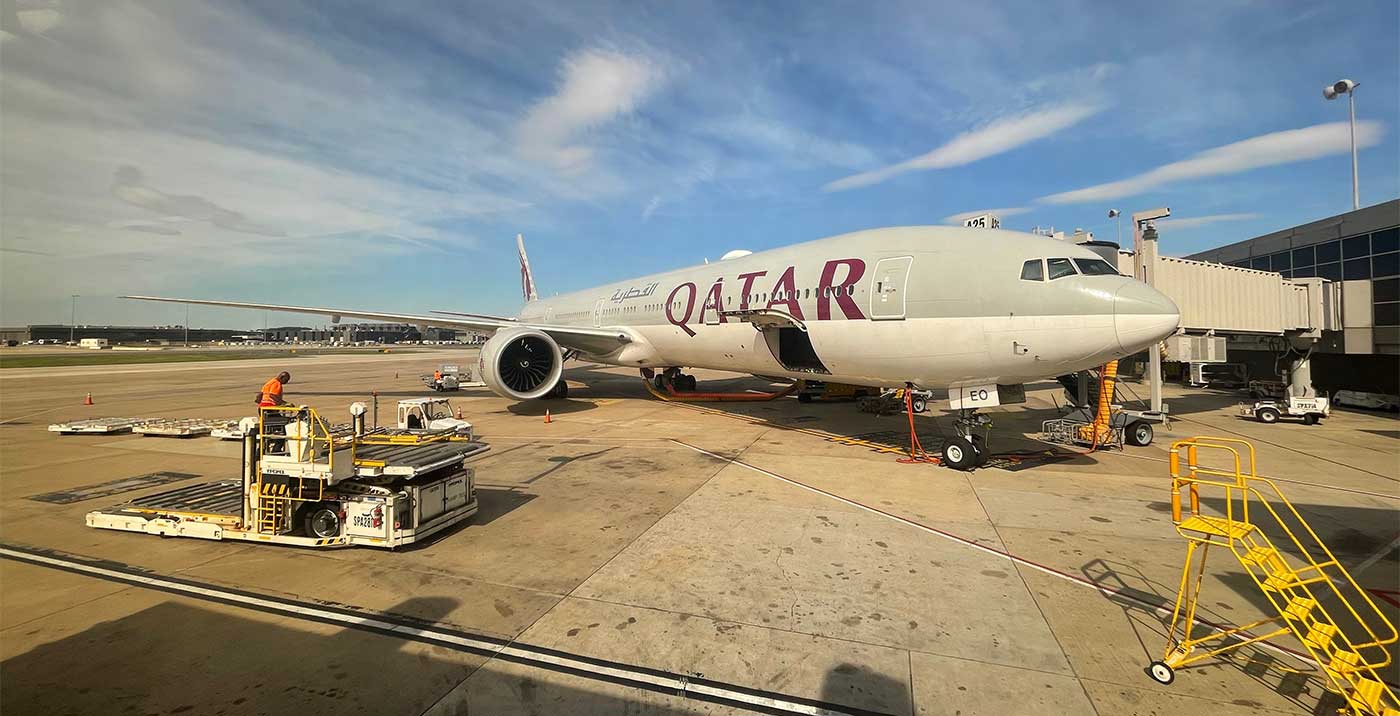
[527, 281]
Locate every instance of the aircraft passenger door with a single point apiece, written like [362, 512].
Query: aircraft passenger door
[598, 313]
[887, 288]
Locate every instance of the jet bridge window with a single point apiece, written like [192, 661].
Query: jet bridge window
[1033, 270]
[1059, 268]
[1095, 267]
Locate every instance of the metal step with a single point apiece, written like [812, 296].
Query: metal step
[1218, 526]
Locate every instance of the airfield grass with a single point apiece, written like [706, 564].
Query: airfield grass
[124, 358]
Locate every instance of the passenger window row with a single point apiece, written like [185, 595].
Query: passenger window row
[1039, 269]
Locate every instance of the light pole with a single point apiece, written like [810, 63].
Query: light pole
[73, 318]
[1116, 214]
[187, 325]
[1348, 87]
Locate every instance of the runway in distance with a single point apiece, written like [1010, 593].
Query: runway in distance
[933, 306]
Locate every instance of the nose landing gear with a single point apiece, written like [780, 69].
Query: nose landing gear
[968, 449]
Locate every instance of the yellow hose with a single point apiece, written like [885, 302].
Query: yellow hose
[1095, 432]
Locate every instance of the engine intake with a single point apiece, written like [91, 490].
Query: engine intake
[520, 363]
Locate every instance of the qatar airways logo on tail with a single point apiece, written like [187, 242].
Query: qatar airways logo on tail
[680, 305]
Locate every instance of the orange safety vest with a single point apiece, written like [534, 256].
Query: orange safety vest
[272, 387]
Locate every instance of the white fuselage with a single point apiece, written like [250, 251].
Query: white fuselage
[934, 306]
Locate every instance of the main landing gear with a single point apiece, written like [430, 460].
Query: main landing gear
[674, 386]
[968, 448]
[560, 390]
[676, 379]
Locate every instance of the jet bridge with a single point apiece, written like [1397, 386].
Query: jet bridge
[1227, 299]
[1216, 299]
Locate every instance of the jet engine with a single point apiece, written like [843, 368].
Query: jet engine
[520, 363]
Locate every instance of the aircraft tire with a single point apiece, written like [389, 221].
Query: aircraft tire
[1139, 434]
[959, 454]
[984, 453]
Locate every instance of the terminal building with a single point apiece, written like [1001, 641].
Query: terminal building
[169, 335]
[373, 332]
[122, 334]
[1360, 250]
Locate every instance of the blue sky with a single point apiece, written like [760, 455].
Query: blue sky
[384, 155]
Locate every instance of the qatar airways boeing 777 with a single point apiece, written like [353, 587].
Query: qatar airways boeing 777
[933, 307]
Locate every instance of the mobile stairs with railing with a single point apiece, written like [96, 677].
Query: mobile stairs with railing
[1310, 593]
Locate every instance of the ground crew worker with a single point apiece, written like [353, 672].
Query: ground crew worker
[271, 394]
[274, 422]
[437, 376]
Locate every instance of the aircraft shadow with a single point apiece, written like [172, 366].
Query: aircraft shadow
[842, 420]
[537, 408]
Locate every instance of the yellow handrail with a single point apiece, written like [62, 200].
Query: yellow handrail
[319, 429]
[1295, 592]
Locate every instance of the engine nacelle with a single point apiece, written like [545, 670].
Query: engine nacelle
[520, 363]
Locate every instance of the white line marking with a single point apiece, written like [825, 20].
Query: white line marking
[1378, 556]
[676, 685]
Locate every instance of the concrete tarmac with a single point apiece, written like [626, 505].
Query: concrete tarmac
[772, 548]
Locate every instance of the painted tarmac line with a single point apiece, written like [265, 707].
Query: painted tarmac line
[1378, 556]
[1106, 591]
[663, 682]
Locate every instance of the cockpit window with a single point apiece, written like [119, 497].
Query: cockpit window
[1033, 270]
[1095, 267]
[1059, 268]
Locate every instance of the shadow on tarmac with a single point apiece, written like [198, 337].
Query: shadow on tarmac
[1141, 598]
[842, 421]
[179, 657]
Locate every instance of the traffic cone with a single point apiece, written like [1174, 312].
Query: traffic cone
[88, 399]
[459, 412]
[547, 419]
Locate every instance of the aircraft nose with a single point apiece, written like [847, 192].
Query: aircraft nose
[1142, 316]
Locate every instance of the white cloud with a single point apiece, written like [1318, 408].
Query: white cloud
[1286, 147]
[596, 86]
[1002, 135]
[1001, 213]
[794, 145]
[1192, 222]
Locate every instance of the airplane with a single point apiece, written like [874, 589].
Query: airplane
[979, 312]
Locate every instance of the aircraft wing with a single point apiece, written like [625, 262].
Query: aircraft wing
[595, 341]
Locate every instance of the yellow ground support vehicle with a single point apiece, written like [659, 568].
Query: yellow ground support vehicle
[1312, 596]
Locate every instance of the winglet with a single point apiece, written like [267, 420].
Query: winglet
[527, 281]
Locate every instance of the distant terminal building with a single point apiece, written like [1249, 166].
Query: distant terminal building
[1360, 249]
[117, 334]
[372, 332]
[172, 335]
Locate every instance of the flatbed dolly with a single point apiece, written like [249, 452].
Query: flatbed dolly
[302, 485]
[96, 426]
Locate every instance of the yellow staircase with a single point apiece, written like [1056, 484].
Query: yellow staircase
[273, 508]
[1315, 598]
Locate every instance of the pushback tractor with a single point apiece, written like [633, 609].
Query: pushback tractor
[306, 485]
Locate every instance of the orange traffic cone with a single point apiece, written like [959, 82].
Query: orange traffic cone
[547, 419]
[88, 399]
[459, 412]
